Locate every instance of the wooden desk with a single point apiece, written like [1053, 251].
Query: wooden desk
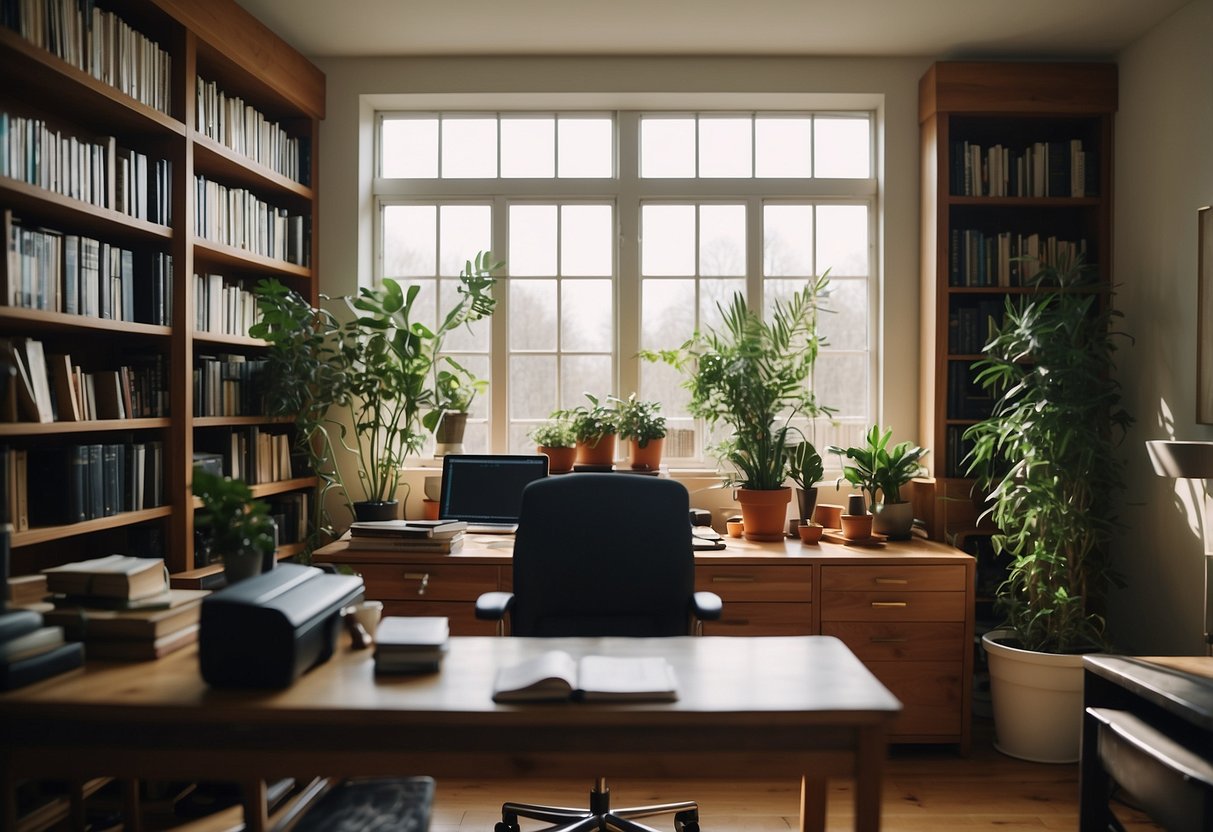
[905, 608]
[748, 707]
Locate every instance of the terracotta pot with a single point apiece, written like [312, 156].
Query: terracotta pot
[429, 509]
[856, 526]
[810, 533]
[600, 453]
[828, 514]
[560, 460]
[735, 528]
[647, 457]
[763, 512]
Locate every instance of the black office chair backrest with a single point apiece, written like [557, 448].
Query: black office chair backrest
[603, 555]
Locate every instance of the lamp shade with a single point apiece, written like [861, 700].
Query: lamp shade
[1192, 460]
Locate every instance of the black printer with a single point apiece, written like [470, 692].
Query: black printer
[266, 631]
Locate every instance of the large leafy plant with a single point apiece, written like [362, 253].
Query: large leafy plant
[753, 375]
[1046, 457]
[236, 522]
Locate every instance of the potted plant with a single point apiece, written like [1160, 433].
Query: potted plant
[805, 469]
[753, 374]
[454, 389]
[241, 531]
[877, 469]
[556, 439]
[641, 422]
[1046, 457]
[595, 427]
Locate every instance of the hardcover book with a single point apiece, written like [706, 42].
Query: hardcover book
[114, 576]
[184, 608]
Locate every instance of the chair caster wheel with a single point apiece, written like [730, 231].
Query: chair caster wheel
[508, 827]
[687, 821]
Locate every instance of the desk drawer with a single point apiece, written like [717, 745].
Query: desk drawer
[900, 640]
[755, 583]
[428, 581]
[930, 694]
[892, 606]
[907, 578]
[742, 618]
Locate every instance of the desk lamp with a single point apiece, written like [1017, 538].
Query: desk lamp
[1189, 460]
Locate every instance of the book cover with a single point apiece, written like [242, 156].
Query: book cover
[32, 643]
[26, 589]
[15, 623]
[35, 365]
[555, 675]
[438, 545]
[114, 576]
[60, 367]
[32, 669]
[400, 633]
[141, 649]
[425, 529]
[83, 622]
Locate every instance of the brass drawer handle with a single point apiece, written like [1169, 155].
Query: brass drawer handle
[891, 581]
[424, 577]
[733, 579]
[887, 640]
[889, 604]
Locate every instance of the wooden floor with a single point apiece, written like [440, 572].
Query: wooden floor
[927, 789]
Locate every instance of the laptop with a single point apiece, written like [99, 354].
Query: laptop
[485, 490]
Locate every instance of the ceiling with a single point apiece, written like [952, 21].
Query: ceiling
[933, 28]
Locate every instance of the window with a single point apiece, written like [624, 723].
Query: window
[622, 231]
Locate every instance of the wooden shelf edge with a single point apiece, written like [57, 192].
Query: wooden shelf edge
[250, 170]
[202, 337]
[232, 256]
[24, 196]
[238, 421]
[95, 426]
[282, 486]
[44, 534]
[45, 319]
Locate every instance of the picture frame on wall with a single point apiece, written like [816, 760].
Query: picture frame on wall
[1204, 318]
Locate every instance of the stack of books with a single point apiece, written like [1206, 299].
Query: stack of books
[411, 644]
[30, 650]
[122, 607]
[438, 536]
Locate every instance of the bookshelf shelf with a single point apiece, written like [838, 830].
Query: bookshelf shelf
[216, 42]
[989, 129]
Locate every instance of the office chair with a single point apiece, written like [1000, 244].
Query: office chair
[571, 579]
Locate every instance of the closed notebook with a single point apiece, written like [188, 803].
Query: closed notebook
[114, 576]
[556, 675]
[410, 529]
[185, 607]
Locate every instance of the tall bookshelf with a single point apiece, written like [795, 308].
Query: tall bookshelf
[1016, 159]
[162, 182]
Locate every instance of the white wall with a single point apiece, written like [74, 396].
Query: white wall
[355, 85]
[1164, 172]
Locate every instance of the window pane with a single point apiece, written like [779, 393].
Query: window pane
[841, 381]
[464, 231]
[712, 295]
[667, 147]
[532, 386]
[532, 314]
[667, 313]
[586, 315]
[410, 148]
[528, 147]
[663, 383]
[469, 148]
[409, 240]
[846, 326]
[842, 239]
[722, 239]
[787, 239]
[532, 240]
[586, 234]
[472, 338]
[783, 147]
[724, 147]
[586, 149]
[667, 239]
[581, 374]
[842, 148]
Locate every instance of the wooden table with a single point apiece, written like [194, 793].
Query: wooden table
[748, 708]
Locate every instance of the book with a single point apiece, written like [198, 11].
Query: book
[32, 643]
[411, 643]
[141, 649]
[556, 675]
[161, 601]
[114, 576]
[438, 545]
[185, 607]
[412, 529]
[26, 589]
[32, 669]
[16, 623]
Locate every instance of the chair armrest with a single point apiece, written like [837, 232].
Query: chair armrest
[492, 606]
[706, 606]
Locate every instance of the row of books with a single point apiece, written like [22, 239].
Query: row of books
[223, 305]
[49, 270]
[50, 387]
[228, 385]
[250, 453]
[956, 449]
[292, 513]
[1005, 258]
[1042, 169]
[966, 398]
[66, 484]
[971, 326]
[98, 42]
[235, 124]
[95, 171]
[237, 217]
[438, 536]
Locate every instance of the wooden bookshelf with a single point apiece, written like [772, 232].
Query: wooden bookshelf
[1016, 107]
[216, 42]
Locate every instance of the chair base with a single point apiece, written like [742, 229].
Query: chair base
[599, 817]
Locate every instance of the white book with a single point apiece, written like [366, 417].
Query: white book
[556, 675]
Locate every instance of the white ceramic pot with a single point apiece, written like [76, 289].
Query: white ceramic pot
[1037, 701]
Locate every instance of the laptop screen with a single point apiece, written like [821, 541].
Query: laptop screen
[487, 488]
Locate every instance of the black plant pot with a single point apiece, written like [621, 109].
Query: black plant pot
[367, 511]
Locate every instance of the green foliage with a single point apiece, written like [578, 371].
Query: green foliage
[1046, 457]
[805, 467]
[591, 422]
[236, 521]
[754, 375]
[639, 419]
[556, 433]
[877, 468]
